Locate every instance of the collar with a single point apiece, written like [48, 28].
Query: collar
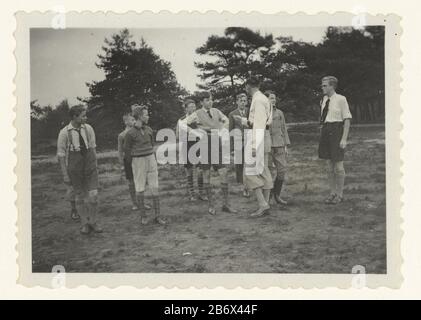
[70, 126]
[333, 95]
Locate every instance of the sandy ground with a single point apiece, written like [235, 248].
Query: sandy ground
[307, 236]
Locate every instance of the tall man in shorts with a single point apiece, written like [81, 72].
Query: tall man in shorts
[77, 142]
[279, 151]
[212, 120]
[257, 175]
[238, 137]
[182, 133]
[138, 148]
[335, 120]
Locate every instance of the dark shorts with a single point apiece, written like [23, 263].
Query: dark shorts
[188, 164]
[331, 135]
[206, 163]
[83, 172]
[128, 169]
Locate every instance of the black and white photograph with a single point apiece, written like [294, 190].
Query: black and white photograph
[222, 149]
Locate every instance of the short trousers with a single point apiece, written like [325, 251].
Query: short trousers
[145, 170]
[188, 163]
[330, 138]
[278, 161]
[128, 170]
[206, 163]
[83, 172]
[263, 180]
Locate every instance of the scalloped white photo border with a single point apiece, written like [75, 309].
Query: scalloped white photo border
[184, 19]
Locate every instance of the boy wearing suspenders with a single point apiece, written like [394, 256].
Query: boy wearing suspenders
[76, 142]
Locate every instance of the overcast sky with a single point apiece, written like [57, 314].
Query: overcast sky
[62, 61]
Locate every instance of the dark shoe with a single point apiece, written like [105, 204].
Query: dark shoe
[85, 229]
[260, 212]
[281, 201]
[212, 211]
[330, 199]
[144, 221]
[226, 208]
[160, 221]
[96, 228]
[74, 215]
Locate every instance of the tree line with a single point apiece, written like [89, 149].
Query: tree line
[134, 73]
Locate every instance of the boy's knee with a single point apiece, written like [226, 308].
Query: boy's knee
[339, 168]
[93, 196]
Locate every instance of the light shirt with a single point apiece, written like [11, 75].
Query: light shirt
[68, 139]
[260, 115]
[338, 108]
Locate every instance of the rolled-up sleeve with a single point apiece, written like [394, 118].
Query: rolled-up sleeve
[346, 113]
[62, 143]
[259, 124]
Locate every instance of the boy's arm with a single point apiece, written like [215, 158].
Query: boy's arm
[128, 143]
[344, 140]
[120, 148]
[346, 116]
[284, 125]
[231, 122]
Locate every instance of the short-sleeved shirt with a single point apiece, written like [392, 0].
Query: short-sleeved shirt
[338, 108]
[68, 139]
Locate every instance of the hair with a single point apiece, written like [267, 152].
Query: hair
[333, 81]
[75, 111]
[137, 111]
[187, 102]
[203, 95]
[240, 95]
[253, 82]
[126, 116]
[269, 92]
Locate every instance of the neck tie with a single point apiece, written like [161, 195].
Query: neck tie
[325, 111]
[82, 144]
[209, 113]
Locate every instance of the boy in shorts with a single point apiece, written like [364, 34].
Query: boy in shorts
[183, 131]
[76, 142]
[138, 148]
[126, 166]
[335, 120]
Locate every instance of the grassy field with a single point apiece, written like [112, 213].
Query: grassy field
[305, 237]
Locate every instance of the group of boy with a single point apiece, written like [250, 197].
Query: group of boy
[268, 142]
